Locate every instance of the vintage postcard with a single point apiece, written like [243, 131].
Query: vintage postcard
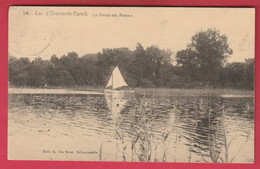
[134, 84]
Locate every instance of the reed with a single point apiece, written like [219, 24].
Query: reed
[143, 145]
[226, 143]
[123, 145]
[100, 152]
[215, 153]
[165, 146]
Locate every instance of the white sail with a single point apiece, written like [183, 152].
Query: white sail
[116, 80]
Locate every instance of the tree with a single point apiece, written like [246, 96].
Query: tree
[158, 59]
[38, 72]
[110, 58]
[202, 62]
[205, 55]
[241, 74]
[18, 71]
[250, 70]
[138, 66]
[148, 66]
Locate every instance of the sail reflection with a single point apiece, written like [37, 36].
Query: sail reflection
[116, 102]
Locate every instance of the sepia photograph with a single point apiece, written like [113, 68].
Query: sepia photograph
[131, 84]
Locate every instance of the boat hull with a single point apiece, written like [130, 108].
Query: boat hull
[118, 91]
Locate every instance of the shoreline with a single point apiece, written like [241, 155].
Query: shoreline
[225, 93]
[51, 91]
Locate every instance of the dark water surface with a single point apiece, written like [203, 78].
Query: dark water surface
[117, 127]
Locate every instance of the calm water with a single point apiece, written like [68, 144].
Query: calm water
[130, 128]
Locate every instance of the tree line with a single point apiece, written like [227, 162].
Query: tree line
[201, 64]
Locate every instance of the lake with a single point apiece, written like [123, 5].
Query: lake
[130, 127]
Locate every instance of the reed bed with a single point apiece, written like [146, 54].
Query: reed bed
[144, 148]
[142, 145]
[219, 150]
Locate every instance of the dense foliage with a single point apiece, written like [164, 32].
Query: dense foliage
[202, 63]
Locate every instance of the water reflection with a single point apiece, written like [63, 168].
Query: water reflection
[133, 128]
[116, 102]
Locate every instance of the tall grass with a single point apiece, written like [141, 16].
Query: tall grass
[144, 148]
[220, 153]
[142, 145]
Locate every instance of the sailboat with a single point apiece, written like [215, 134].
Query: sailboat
[117, 83]
[117, 93]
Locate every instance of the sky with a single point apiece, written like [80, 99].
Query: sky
[45, 31]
